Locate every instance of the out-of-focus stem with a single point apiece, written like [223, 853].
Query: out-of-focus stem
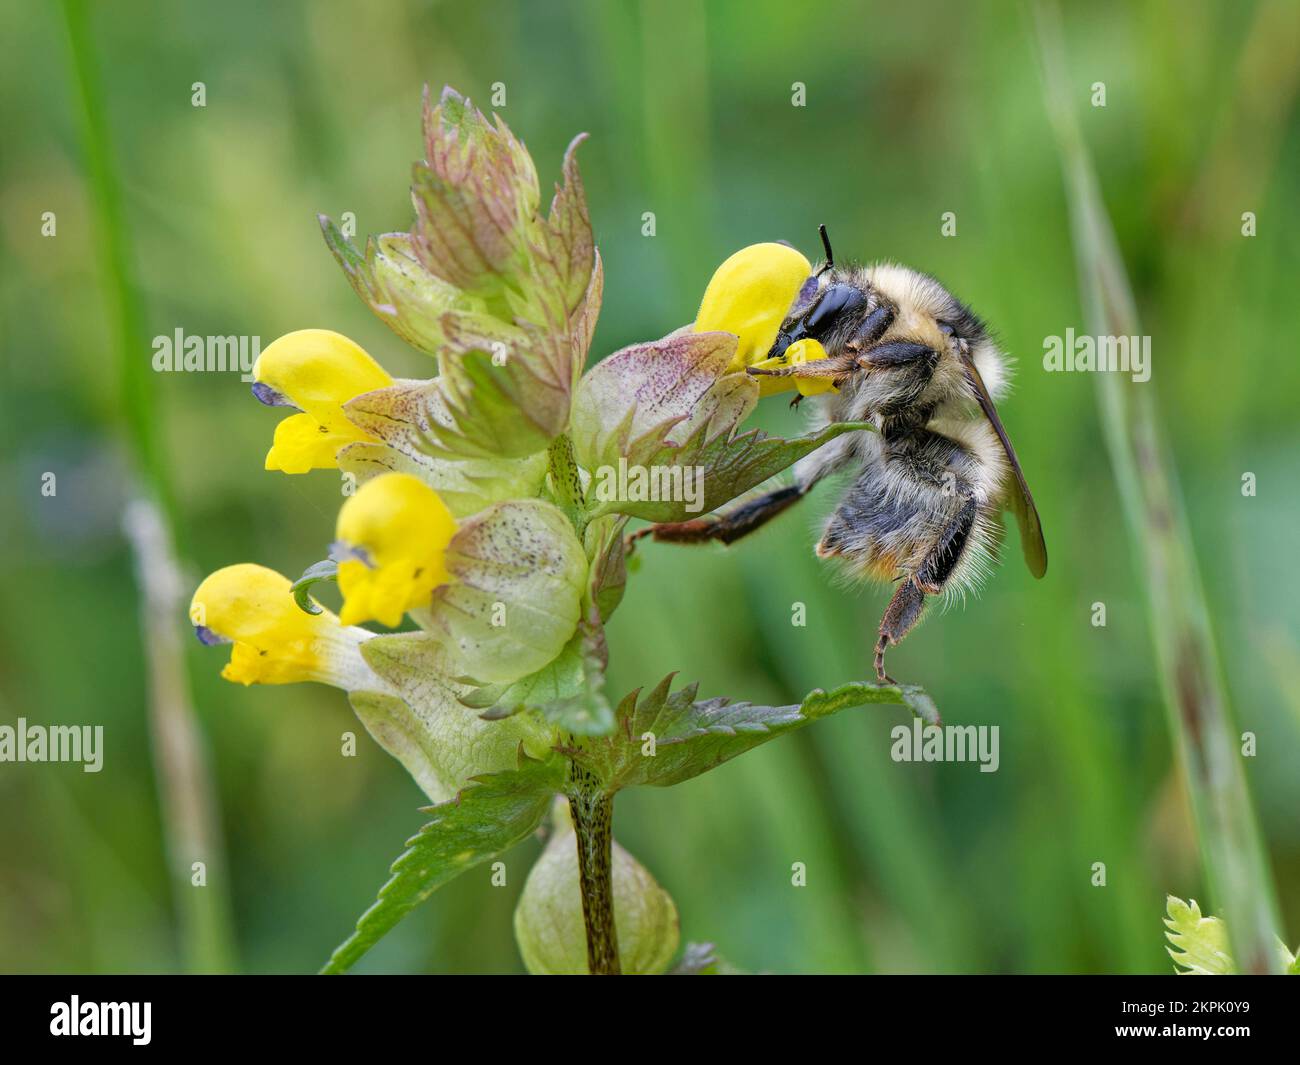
[1199, 715]
[184, 782]
[184, 785]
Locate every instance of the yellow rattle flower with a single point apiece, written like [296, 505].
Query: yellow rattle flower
[749, 296]
[275, 640]
[316, 371]
[396, 530]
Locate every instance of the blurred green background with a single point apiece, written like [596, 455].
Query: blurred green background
[912, 110]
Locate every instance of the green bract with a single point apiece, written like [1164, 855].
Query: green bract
[403, 419]
[514, 603]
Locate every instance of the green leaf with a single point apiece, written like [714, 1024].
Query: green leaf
[325, 570]
[568, 693]
[565, 253]
[607, 563]
[502, 394]
[483, 820]
[731, 467]
[508, 380]
[663, 738]
[505, 298]
[1200, 944]
[585, 712]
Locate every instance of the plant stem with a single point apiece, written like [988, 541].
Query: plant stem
[593, 812]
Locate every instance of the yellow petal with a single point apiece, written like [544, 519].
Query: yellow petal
[749, 296]
[302, 443]
[317, 371]
[802, 352]
[799, 353]
[275, 641]
[401, 527]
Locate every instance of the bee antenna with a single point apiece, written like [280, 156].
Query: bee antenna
[826, 243]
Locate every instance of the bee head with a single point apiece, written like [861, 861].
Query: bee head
[784, 313]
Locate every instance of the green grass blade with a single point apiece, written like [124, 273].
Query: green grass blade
[1199, 714]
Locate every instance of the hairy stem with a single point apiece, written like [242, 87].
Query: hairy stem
[593, 812]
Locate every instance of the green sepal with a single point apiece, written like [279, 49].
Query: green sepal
[520, 559]
[549, 927]
[422, 722]
[569, 692]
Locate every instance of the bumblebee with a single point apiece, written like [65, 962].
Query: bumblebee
[924, 508]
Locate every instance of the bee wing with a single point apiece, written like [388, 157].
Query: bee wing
[1022, 500]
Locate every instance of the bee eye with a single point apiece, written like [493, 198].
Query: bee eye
[947, 329]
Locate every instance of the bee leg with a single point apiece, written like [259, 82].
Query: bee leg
[901, 616]
[942, 557]
[873, 327]
[905, 608]
[726, 528]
